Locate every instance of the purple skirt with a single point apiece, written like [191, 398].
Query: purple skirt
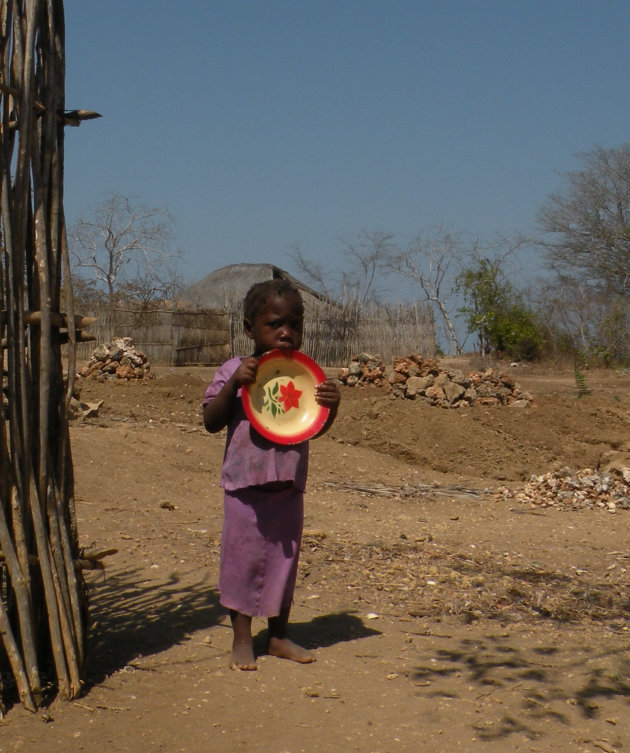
[260, 548]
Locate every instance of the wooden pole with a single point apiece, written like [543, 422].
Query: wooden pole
[42, 599]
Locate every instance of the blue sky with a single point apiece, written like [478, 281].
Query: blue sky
[262, 125]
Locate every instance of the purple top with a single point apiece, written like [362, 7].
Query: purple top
[250, 459]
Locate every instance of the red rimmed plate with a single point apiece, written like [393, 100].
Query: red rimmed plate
[280, 404]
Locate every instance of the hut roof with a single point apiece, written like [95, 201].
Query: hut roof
[228, 286]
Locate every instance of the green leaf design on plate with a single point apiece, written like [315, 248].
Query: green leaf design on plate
[271, 402]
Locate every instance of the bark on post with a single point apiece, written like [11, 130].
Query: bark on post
[42, 595]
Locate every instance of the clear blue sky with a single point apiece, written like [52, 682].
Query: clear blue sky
[264, 124]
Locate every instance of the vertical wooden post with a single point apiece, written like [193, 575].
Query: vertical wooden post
[42, 603]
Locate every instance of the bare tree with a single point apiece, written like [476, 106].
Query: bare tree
[589, 221]
[433, 263]
[366, 259]
[123, 246]
[583, 322]
[313, 272]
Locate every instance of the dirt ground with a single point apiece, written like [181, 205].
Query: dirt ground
[444, 616]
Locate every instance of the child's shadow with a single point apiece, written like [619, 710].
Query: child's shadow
[322, 631]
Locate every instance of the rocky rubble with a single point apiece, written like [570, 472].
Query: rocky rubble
[415, 377]
[364, 369]
[118, 359]
[609, 490]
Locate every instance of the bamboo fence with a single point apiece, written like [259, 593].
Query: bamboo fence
[42, 597]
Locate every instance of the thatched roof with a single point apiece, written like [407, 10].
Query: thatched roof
[227, 287]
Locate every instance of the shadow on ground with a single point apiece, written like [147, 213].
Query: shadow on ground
[131, 616]
[538, 684]
[321, 632]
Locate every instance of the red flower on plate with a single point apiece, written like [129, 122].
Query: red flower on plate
[289, 396]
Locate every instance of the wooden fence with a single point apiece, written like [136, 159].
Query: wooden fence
[332, 334]
[43, 606]
[167, 336]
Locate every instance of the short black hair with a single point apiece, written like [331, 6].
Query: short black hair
[259, 293]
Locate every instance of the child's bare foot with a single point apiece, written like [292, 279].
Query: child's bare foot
[242, 645]
[243, 656]
[286, 649]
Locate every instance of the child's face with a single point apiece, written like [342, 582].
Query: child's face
[277, 325]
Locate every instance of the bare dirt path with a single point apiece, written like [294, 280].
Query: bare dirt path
[444, 616]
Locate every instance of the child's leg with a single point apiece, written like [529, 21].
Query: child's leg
[242, 644]
[278, 643]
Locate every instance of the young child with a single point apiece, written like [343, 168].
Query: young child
[263, 483]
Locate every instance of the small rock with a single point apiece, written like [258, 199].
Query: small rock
[520, 404]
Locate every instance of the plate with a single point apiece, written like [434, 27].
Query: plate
[280, 404]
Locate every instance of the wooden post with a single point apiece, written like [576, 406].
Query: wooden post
[42, 600]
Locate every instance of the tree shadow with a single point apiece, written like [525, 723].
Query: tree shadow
[539, 675]
[131, 616]
[604, 685]
[322, 631]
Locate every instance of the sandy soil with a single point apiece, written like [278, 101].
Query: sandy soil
[444, 617]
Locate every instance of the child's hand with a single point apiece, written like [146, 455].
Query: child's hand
[327, 394]
[246, 372]
[218, 412]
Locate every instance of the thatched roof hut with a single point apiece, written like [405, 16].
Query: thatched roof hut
[332, 332]
[227, 287]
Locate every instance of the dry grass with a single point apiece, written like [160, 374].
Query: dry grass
[423, 578]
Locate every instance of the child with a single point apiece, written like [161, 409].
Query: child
[263, 483]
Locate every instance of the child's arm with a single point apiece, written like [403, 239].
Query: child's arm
[218, 412]
[327, 394]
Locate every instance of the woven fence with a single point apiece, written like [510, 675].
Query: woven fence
[332, 334]
[166, 335]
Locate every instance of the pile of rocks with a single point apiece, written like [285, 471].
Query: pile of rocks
[118, 359]
[363, 369]
[417, 377]
[609, 490]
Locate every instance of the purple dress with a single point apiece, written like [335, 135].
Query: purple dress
[262, 528]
